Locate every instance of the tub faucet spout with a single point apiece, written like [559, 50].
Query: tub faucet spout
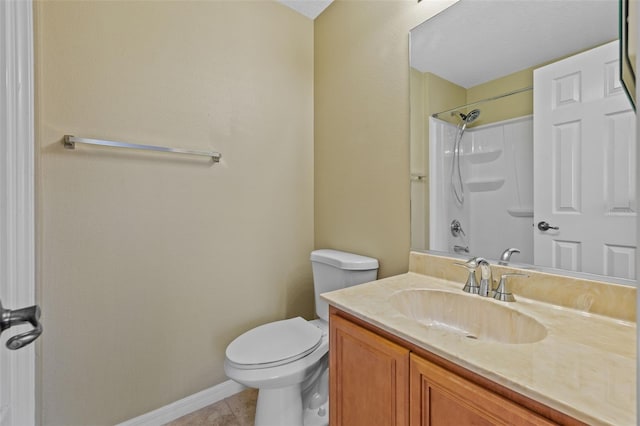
[506, 255]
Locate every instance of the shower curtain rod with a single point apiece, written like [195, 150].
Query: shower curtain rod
[504, 95]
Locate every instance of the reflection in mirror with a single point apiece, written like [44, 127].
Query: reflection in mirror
[523, 137]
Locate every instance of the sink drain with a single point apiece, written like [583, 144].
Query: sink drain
[471, 336]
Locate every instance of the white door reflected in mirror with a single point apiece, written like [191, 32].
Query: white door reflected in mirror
[585, 173]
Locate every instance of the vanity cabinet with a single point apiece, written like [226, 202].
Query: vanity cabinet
[376, 379]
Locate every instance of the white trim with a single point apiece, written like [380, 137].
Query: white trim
[17, 245]
[187, 405]
[635, 20]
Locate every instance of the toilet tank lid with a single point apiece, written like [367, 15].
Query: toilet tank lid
[344, 260]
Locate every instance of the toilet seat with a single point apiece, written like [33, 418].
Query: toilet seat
[274, 344]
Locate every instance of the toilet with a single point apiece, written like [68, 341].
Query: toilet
[288, 360]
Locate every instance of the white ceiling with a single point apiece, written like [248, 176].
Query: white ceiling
[475, 41]
[309, 8]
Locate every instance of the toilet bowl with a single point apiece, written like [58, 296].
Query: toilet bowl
[290, 389]
[288, 360]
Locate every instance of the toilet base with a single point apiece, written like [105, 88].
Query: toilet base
[317, 416]
[283, 406]
[279, 406]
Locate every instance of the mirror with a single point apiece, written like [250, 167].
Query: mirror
[523, 137]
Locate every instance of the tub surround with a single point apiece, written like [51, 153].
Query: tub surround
[585, 367]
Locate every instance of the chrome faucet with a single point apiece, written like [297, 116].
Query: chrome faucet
[486, 278]
[506, 255]
[485, 287]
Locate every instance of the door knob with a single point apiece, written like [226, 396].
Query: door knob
[544, 226]
[10, 318]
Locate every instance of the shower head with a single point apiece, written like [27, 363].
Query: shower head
[471, 117]
[466, 119]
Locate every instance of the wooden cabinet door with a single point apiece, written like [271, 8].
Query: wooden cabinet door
[368, 377]
[442, 398]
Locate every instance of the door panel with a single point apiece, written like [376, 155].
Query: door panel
[566, 151]
[584, 166]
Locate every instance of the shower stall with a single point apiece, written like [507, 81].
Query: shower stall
[484, 169]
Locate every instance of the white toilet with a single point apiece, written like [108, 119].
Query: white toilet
[288, 360]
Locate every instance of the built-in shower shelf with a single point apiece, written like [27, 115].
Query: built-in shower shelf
[483, 156]
[478, 156]
[483, 185]
[520, 211]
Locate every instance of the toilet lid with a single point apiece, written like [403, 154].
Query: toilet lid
[275, 343]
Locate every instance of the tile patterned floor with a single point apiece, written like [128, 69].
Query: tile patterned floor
[237, 410]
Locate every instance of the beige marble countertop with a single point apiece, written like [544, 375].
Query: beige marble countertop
[585, 367]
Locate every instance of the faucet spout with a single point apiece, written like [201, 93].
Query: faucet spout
[486, 278]
[506, 255]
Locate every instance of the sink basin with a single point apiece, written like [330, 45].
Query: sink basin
[470, 315]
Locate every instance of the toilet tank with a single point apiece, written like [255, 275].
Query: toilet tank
[333, 270]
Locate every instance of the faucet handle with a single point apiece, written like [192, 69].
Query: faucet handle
[502, 293]
[471, 286]
[471, 264]
[474, 262]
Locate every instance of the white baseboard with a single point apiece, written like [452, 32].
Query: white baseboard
[186, 405]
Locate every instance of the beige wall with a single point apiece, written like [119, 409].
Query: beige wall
[418, 161]
[513, 106]
[361, 124]
[429, 94]
[442, 95]
[150, 264]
